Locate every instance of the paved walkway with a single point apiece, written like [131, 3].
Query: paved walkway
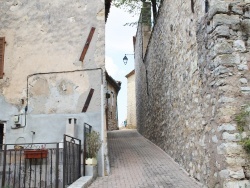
[137, 163]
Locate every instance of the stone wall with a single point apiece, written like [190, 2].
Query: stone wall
[191, 84]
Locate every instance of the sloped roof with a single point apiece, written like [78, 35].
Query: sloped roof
[131, 73]
[114, 83]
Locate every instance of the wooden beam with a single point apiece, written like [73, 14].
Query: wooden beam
[86, 105]
[86, 46]
[2, 46]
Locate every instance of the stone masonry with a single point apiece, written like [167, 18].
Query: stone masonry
[191, 83]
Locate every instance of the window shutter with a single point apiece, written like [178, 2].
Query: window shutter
[2, 45]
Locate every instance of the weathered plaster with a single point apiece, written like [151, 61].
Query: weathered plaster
[64, 92]
[44, 41]
[47, 36]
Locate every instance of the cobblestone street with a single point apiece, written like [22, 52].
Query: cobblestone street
[137, 163]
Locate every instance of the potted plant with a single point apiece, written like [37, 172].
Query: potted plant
[93, 144]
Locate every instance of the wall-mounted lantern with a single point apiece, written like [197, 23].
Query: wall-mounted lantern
[125, 59]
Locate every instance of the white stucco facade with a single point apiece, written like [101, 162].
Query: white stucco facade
[131, 102]
[44, 82]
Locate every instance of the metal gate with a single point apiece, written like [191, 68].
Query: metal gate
[71, 160]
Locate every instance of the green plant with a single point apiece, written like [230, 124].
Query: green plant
[242, 120]
[136, 6]
[246, 144]
[93, 143]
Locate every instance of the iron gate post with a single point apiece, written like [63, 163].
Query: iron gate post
[57, 165]
[64, 160]
[4, 165]
[79, 163]
[84, 150]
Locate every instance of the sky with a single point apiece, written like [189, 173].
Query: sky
[119, 41]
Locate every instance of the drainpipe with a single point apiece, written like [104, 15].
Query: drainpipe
[102, 129]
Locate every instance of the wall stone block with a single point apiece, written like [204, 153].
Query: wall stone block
[244, 183]
[224, 19]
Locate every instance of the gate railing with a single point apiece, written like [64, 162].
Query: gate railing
[31, 165]
[72, 160]
[40, 165]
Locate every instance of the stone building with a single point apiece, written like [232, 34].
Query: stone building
[52, 69]
[192, 81]
[113, 88]
[131, 103]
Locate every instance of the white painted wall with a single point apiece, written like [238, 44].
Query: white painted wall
[131, 104]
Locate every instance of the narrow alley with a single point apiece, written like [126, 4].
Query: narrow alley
[137, 163]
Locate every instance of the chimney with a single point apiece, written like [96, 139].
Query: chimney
[71, 127]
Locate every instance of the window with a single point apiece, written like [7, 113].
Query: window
[112, 98]
[2, 45]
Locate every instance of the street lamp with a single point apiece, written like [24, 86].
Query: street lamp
[125, 59]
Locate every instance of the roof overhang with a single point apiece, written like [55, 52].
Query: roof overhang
[131, 73]
[107, 8]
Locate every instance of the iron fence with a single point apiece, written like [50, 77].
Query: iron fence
[31, 165]
[40, 165]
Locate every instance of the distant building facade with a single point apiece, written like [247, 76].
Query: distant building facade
[131, 99]
[113, 88]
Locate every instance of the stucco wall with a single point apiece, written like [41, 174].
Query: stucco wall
[45, 36]
[44, 41]
[131, 102]
[191, 84]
